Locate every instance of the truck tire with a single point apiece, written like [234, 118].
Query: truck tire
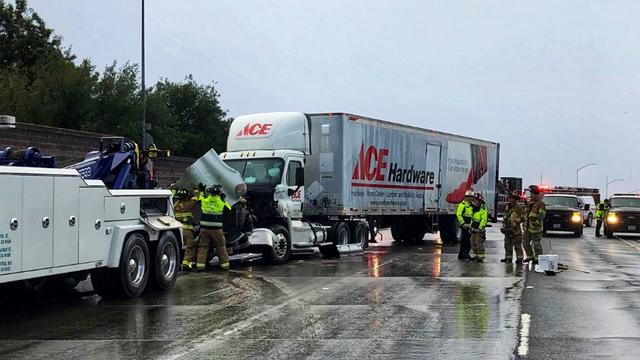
[166, 262]
[103, 282]
[397, 232]
[134, 266]
[329, 251]
[341, 234]
[578, 232]
[450, 231]
[281, 250]
[360, 234]
[608, 234]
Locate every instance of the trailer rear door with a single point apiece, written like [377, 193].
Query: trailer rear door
[432, 190]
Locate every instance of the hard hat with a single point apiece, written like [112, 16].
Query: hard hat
[214, 190]
[182, 194]
[468, 193]
[479, 197]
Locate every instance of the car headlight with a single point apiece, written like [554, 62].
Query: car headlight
[576, 217]
[612, 218]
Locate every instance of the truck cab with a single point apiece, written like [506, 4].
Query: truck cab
[564, 213]
[623, 215]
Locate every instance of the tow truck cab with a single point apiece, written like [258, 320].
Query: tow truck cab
[564, 213]
[623, 215]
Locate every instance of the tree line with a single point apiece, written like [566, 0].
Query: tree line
[42, 82]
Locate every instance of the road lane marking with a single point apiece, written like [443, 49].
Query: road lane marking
[525, 324]
[628, 243]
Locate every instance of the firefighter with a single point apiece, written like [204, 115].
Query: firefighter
[463, 214]
[477, 227]
[212, 205]
[185, 209]
[601, 214]
[512, 230]
[534, 224]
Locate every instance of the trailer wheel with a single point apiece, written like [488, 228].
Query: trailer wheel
[281, 250]
[329, 251]
[165, 261]
[134, 266]
[397, 232]
[341, 234]
[360, 234]
[450, 231]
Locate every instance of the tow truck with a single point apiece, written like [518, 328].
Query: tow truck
[73, 222]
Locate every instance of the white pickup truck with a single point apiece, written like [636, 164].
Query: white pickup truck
[55, 224]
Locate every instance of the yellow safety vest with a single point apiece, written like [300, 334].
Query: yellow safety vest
[212, 208]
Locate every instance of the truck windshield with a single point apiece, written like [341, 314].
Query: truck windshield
[560, 201]
[259, 172]
[625, 202]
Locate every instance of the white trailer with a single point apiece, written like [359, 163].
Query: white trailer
[55, 224]
[331, 180]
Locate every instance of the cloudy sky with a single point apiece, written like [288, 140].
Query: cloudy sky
[557, 83]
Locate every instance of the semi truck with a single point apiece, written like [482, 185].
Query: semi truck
[331, 180]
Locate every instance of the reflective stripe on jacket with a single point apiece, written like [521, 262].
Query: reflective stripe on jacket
[464, 211]
[212, 209]
[601, 211]
[479, 218]
[536, 212]
[183, 211]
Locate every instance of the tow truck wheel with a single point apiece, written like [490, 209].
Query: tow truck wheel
[360, 234]
[165, 261]
[134, 266]
[281, 250]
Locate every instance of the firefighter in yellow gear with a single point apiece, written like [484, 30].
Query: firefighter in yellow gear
[186, 210]
[211, 223]
[463, 215]
[534, 224]
[601, 213]
[512, 229]
[478, 225]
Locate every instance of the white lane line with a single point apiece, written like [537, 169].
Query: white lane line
[628, 243]
[525, 323]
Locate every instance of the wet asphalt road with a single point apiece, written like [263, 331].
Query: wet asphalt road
[392, 302]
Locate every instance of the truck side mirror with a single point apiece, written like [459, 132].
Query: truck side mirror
[299, 177]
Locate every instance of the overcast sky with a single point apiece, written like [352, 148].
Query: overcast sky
[557, 83]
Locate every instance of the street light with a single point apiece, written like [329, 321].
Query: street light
[607, 187]
[144, 86]
[578, 172]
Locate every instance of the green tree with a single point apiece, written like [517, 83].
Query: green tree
[198, 118]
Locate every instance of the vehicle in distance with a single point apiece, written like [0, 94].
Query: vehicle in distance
[623, 215]
[564, 213]
[589, 210]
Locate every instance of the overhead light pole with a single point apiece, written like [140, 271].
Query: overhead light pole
[144, 88]
[578, 172]
[608, 183]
